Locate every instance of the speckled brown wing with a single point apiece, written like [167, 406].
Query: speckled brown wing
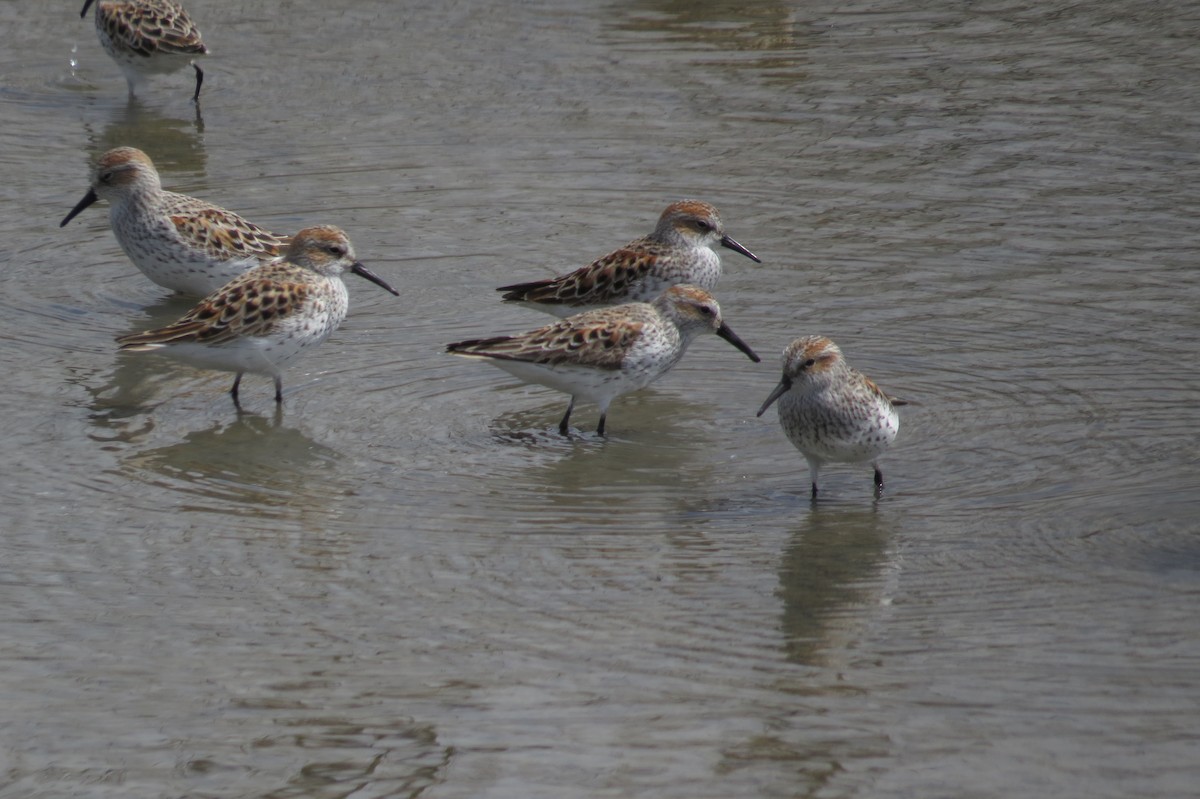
[878, 392]
[895, 402]
[248, 306]
[597, 339]
[147, 28]
[224, 234]
[604, 280]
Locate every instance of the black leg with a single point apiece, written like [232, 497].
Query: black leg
[878, 481]
[233, 392]
[600, 427]
[562, 426]
[814, 490]
[199, 82]
[278, 390]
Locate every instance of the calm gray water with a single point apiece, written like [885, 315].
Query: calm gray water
[407, 584]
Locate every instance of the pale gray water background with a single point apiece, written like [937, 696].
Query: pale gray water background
[409, 585]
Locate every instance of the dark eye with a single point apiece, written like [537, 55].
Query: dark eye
[106, 177]
[336, 249]
[810, 362]
[702, 225]
[704, 309]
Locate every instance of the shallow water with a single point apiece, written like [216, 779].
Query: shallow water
[407, 584]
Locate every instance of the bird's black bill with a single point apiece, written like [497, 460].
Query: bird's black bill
[727, 241]
[362, 271]
[86, 5]
[724, 332]
[87, 200]
[779, 391]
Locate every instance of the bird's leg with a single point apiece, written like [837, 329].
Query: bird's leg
[199, 81]
[233, 392]
[562, 426]
[600, 427]
[278, 389]
[878, 480]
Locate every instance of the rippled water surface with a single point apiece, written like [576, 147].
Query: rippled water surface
[407, 584]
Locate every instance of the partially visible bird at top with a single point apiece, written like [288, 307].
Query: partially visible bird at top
[148, 37]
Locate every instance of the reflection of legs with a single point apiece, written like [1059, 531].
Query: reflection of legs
[562, 426]
[199, 81]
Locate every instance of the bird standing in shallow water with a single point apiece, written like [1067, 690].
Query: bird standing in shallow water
[263, 319]
[181, 243]
[148, 37]
[599, 355]
[680, 250]
[831, 412]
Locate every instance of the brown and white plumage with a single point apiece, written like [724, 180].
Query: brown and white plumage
[263, 319]
[600, 354]
[680, 250]
[831, 412]
[147, 37]
[179, 242]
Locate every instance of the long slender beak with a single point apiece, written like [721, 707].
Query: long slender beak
[724, 332]
[727, 241]
[86, 5]
[87, 200]
[779, 391]
[362, 271]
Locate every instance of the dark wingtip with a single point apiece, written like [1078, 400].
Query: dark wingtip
[465, 344]
[519, 292]
[478, 346]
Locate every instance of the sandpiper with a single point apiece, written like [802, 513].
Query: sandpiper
[263, 319]
[148, 37]
[680, 250]
[600, 354]
[831, 412]
[179, 242]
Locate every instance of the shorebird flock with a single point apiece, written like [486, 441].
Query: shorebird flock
[624, 320]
